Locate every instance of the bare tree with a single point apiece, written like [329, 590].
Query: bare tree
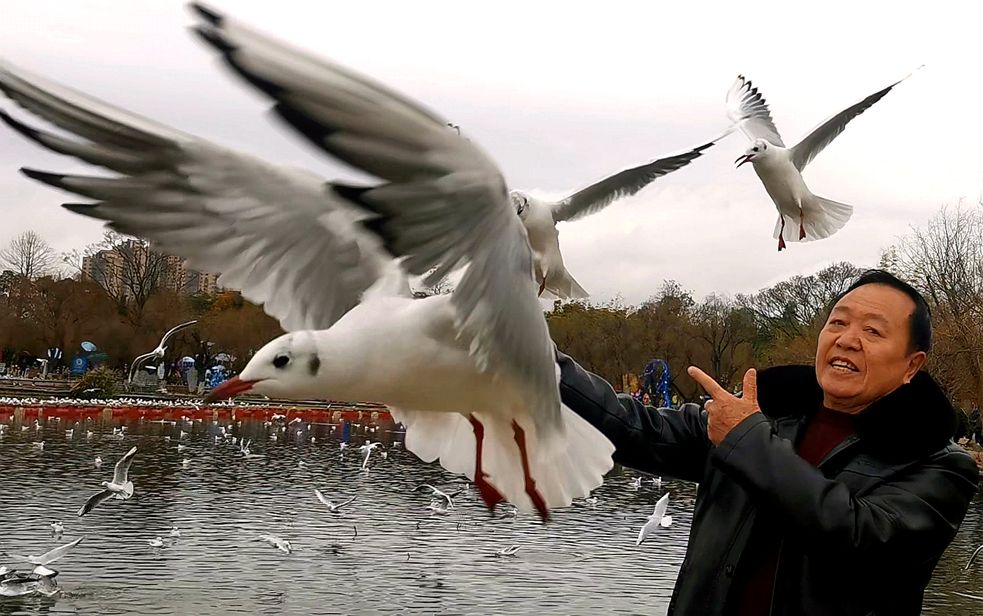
[728, 331]
[28, 255]
[127, 269]
[791, 307]
[945, 260]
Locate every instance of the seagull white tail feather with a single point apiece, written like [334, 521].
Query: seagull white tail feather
[566, 465]
[822, 218]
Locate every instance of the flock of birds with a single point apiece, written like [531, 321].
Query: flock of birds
[40, 579]
[472, 374]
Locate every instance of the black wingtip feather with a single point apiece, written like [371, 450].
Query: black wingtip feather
[212, 37]
[18, 126]
[352, 193]
[53, 179]
[210, 15]
[79, 208]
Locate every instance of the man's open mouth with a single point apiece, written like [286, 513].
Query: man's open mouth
[844, 365]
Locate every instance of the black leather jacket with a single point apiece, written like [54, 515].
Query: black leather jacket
[860, 534]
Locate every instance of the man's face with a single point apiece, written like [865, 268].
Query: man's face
[863, 352]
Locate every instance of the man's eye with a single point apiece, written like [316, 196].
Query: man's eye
[871, 330]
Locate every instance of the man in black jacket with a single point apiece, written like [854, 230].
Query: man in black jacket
[825, 489]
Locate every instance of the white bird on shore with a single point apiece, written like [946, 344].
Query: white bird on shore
[120, 488]
[48, 557]
[656, 520]
[802, 216]
[332, 507]
[442, 206]
[541, 217]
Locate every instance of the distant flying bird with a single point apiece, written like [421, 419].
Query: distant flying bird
[448, 499]
[541, 217]
[332, 507]
[48, 557]
[802, 216]
[509, 551]
[657, 519]
[120, 488]
[157, 353]
[367, 450]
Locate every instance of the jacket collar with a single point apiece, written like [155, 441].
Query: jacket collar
[912, 421]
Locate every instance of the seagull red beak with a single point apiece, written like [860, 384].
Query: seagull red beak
[232, 387]
[743, 158]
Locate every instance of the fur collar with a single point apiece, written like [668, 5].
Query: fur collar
[912, 421]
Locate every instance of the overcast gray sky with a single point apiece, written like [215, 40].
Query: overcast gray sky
[562, 95]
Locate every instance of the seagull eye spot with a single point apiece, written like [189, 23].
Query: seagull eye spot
[754, 149]
[280, 361]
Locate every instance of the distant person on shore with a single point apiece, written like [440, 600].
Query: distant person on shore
[831, 488]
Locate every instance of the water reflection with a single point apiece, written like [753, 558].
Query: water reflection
[383, 554]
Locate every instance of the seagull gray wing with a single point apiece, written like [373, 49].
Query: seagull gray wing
[748, 110]
[277, 234]
[444, 204]
[123, 467]
[599, 195]
[173, 331]
[94, 501]
[807, 149]
[55, 554]
[347, 502]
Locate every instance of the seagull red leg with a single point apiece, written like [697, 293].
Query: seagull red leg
[488, 492]
[542, 287]
[537, 499]
[802, 227]
[781, 235]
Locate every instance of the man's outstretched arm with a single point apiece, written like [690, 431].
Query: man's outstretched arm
[660, 441]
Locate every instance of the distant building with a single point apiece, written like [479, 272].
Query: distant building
[108, 269]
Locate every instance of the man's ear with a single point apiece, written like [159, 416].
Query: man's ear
[915, 363]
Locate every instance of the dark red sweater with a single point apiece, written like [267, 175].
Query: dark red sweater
[755, 577]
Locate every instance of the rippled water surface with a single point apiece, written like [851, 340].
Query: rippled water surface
[384, 554]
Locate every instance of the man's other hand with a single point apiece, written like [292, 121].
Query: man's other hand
[726, 410]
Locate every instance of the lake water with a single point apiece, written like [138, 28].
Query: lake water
[383, 554]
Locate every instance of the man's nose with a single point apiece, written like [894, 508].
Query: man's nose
[849, 340]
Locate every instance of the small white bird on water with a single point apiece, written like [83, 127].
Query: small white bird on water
[656, 520]
[332, 507]
[175, 532]
[156, 543]
[802, 216]
[120, 488]
[281, 544]
[97, 462]
[541, 217]
[57, 528]
[507, 551]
